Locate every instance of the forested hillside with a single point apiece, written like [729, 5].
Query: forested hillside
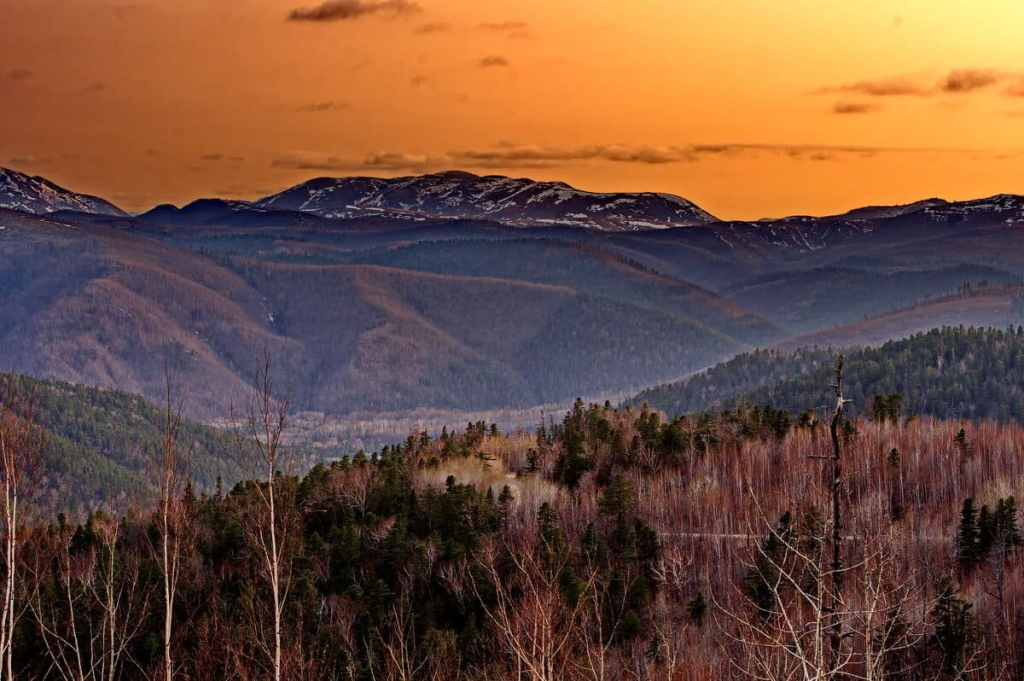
[951, 372]
[102, 445]
[607, 543]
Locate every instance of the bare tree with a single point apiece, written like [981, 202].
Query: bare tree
[259, 453]
[21, 449]
[121, 593]
[59, 602]
[534, 623]
[814, 608]
[837, 431]
[174, 463]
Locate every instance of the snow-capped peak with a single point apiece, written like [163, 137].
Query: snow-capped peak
[38, 195]
[518, 201]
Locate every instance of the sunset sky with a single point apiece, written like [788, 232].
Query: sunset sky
[747, 107]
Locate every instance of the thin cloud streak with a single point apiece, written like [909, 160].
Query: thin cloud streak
[346, 10]
[899, 86]
[848, 108]
[956, 82]
[323, 107]
[509, 155]
[432, 27]
[968, 80]
[511, 29]
[17, 75]
[493, 61]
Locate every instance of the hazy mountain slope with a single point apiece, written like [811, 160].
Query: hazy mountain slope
[97, 305]
[587, 268]
[34, 194]
[987, 232]
[805, 300]
[521, 202]
[400, 339]
[997, 306]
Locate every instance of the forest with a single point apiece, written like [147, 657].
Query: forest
[609, 544]
[952, 372]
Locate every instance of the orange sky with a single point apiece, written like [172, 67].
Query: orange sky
[749, 108]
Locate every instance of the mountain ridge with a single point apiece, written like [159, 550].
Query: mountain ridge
[460, 194]
[38, 195]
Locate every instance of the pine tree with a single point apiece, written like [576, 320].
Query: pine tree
[967, 536]
[697, 608]
[956, 634]
[1007, 532]
[617, 497]
[962, 445]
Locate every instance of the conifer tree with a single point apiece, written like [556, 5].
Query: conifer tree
[968, 536]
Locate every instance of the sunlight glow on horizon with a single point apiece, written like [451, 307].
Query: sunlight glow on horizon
[749, 109]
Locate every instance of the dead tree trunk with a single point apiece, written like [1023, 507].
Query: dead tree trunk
[836, 591]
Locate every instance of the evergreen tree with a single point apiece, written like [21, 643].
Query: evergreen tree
[956, 635]
[968, 547]
[697, 608]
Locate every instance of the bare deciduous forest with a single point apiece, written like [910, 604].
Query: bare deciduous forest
[752, 543]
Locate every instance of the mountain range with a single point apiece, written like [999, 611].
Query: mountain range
[459, 194]
[458, 292]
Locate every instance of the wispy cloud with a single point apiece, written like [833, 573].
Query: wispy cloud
[220, 157]
[344, 10]
[511, 155]
[432, 27]
[24, 160]
[854, 107]
[968, 80]
[511, 29]
[493, 61]
[16, 75]
[382, 160]
[323, 107]
[955, 82]
[898, 86]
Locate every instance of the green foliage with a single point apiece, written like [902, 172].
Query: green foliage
[986, 534]
[968, 536]
[887, 408]
[101, 443]
[697, 609]
[948, 372]
[956, 634]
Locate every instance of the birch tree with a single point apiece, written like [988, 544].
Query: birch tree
[21, 448]
[259, 452]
